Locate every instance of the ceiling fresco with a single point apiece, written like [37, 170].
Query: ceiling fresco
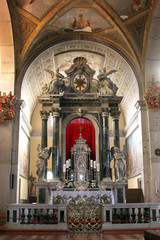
[38, 23]
[37, 8]
[106, 32]
[81, 19]
[128, 8]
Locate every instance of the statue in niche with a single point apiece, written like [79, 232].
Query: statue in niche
[43, 156]
[105, 84]
[119, 163]
[57, 83]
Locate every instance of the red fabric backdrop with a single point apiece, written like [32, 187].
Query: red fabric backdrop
[73, 132]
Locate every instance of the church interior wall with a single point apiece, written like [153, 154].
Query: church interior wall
[142, 142]
[7, 72]
[23, 189]
[154, 134]
[5, 164]
[133, 182]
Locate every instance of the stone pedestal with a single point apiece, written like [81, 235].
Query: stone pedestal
[117, 188]
[45, 188]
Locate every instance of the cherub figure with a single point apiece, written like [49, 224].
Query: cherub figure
[57, 82]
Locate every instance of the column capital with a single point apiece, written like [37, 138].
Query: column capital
[115, 113]
[19, 104]
[56, 112]
[105, 112]
[141, 105]
[44, 114]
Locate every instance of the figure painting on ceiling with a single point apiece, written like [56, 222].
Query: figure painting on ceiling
[82, 19]
[79, 24]
[35, 7]
[128, 8]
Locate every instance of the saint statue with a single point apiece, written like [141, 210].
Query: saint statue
[43, 156]
[119, 163]
[79, 24]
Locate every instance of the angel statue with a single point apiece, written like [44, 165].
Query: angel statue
[105, 84]
[119, 163]
[43, 156]
[57, 83]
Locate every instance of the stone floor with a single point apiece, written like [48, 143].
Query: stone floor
[65, 236]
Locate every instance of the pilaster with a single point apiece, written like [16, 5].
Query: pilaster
[146, 161]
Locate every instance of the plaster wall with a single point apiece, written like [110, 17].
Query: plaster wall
[133, 182]
[6, 50]
[5, 158]
[155, 160]
[23, 189]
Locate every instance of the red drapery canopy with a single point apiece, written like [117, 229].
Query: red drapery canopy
[73, 133]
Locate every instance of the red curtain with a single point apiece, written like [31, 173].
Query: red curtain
[73, 133]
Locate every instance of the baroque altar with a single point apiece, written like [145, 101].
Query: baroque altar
[78, 95]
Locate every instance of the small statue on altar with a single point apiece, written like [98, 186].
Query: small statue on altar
[105, 84]
[43, 156]
[119, 163]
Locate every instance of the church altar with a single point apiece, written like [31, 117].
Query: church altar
[81, 169]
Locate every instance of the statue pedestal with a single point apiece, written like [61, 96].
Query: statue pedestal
[118, 189]
[46, 187]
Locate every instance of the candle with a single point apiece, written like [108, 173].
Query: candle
[67, 164]
[91, 163]
[64, 167]
[98, 167]
[95, 164]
